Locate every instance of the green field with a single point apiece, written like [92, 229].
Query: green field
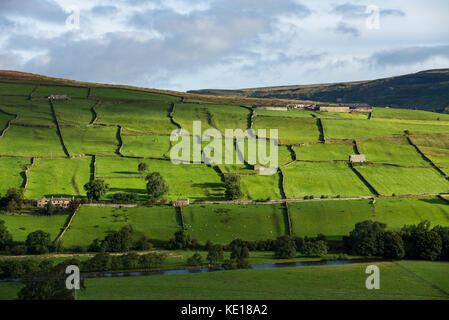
[435, 147]
[389, 180]
[317, 179]
[97, 140]
[193, 181]
[58, 177]
[15, 89]
[23, 141]
[146, 146]
[319, 282]
[261, 187]
[325, 152]
[21, 225]
[407, 114]
[391, 150]
[290, 131]
[224, 223]
[74, 112]
[211, 116]
[4, 120]
[31, 113]
[11, 173]
[71, 92]
[157, 223]
[124, 94]
[137, 117]
[337, 218]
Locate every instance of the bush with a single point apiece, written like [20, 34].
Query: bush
[393, 246]
[19, 250]
[124, 197]
[365, 239]
[285, 248]
[314, 248]
[195, 260]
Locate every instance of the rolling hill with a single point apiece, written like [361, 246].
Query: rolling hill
[426, 90]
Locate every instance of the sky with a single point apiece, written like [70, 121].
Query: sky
[227, 44]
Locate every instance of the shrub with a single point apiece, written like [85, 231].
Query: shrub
[19, 250]
[285, 248]
[124, 197]
[195, 260]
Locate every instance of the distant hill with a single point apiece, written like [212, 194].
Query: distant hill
[426, 90]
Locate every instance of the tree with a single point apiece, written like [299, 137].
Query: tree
[13, 199]
[182, 240]
[215, 254]
[38, 237]
[195, 260]
[74, 205]
[443, 232]
[392, 245]
[421, 242]
[233, 190]
[5, 236]
[239, 249]
[96, 189]
[285, 248]
[365, 239]
[314, 248]
[49, 208]
[142, 167]
[156, 185]
[120, 241]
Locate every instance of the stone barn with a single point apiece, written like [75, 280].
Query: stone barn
[60, 203]
[54, 96]
[357, 158]
[276, 108]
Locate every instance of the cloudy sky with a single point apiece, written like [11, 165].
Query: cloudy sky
[194, 44]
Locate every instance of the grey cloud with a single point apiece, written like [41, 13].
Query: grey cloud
[45, 10]
[345, 28]
[406, 56]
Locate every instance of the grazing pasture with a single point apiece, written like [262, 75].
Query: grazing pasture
[391, 150]
[96, 140]
[317, 179]
[337, 218]
[31, 113]
[220, 117]
[124, 94]
[27, 141]
[11, 173]
[290, 131]
[16, 89]
[146, 146]
[388, 180]
[407, 114]
[74, 112]
[58, 177]
[71, 92]
[224, 223]
[261, 187]
[22, 225]
[157, 223]
[342, 282]
[137, 117]
[325, 152]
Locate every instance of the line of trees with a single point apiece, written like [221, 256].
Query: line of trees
[412, 241]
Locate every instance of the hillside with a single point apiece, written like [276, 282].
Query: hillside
[52, 148]
[426, 90]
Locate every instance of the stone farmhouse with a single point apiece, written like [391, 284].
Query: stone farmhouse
[357, 158]
[54, 96]
[181, 202]
[61, 203]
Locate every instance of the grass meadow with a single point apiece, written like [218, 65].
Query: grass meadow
[157, 223]
[71, 92]
[74, 112]
[224, 223]
[98, 140]
[325, 152]
[341, 282]
[290, 131]
[137, 117]
[124, 94]
[58, 177]
[146, 146]
[11, 173]
[317, 179]
[31, 113]
[24, 141]
[261, 187]
[16, 89]
[21, 225]
[388, 180]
